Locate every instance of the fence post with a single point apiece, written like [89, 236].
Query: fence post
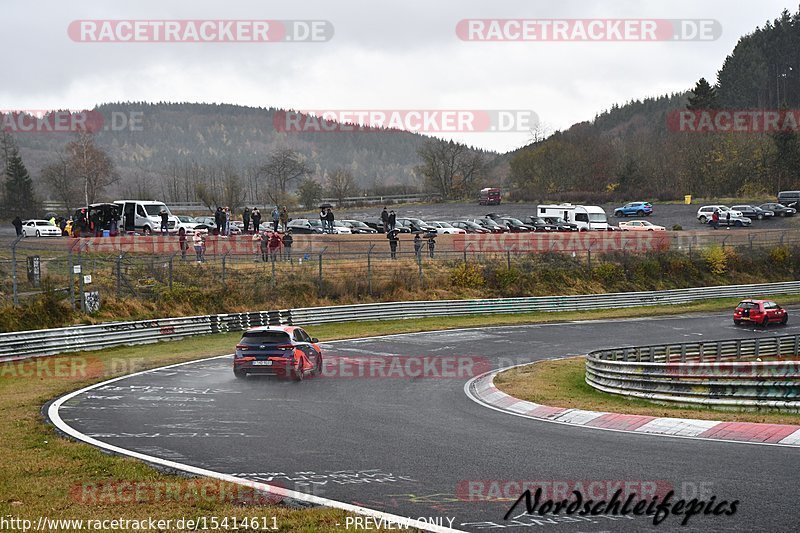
[508, 258]
[80, 280]
[119, 273]
[71, 274]
[419, 263]
[273, 282]
[320, 270]
[14, 268]
[369, 269]
[224, 261]
[171, 259]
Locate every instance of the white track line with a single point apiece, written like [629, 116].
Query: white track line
[55, 418]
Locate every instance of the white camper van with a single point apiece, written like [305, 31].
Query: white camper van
[586, 217]
[145, 216]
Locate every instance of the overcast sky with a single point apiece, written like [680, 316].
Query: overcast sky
[384, 55]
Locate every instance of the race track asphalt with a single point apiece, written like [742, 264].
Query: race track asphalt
[410, 445]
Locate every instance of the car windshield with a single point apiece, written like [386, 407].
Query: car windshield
[558, 220]
[357, 224]
[154, 210]
[747, 305]
[315, 223]
[491, 223]
[185, 219]
[254, 338]
[44, 223]
[513, 221]
[444, 225]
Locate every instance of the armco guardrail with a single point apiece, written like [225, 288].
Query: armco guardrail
[722, 374]
[52, 341]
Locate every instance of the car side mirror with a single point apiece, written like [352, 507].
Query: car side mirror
[314, 339]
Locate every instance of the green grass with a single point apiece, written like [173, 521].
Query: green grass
[560, 383]
[39, 470]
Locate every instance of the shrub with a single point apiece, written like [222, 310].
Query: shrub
[716, 260]
[780, 255]
[468, 275]
[609, 274]
[677, 227]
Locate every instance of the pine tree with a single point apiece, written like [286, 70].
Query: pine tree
[19, 197]
[703, 96]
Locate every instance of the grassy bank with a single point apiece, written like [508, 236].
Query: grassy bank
[150, 290]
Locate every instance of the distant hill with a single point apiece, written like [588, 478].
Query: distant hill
[172, 135]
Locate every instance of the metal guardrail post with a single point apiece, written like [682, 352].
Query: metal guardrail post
[14, 268]
[757, 347]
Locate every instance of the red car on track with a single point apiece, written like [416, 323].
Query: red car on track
[762, 312]
[285, 351]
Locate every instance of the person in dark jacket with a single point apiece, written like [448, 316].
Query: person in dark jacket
[218, 220]
[431, 244]
[417, 246]
[182, 241]
[246, 219]
[256, 216]
[329, 218]
[287, 245]
[17, 222]
[393, 240]
[385, 219]
[392, 220]
[164, 222]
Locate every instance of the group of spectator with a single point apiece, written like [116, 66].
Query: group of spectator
[388, 219]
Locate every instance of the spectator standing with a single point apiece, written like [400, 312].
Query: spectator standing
[63, 226]
[715, 219]
[417, 246]
[288, 240]
[392, 236]
[199, 241]
[218, 220]
[284, 218]
[256, 216]
[330, 218]
[17, 223]
[263, 241]
[246, 219]
[276, 218]
[164, 222]
[392, 220]
[728, 219]
[385, 220]
[182, 241]
[274, 245]
[431, 244]
[324, 219]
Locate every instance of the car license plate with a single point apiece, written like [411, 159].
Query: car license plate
[262, 363]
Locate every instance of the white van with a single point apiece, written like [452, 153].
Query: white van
[145, 216]
[586, 217]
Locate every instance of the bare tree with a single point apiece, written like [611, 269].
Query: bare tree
[64, 186]
[449, 168]
[341, 184]
[283, 167]
[91, 165]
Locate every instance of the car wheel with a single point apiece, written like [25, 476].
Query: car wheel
[702, 219]
[785, 319]
[737, 322]
[239, 374]
[765, 322]
[738, 224]
[38, 234]
[297, 371]
[618, 214]
[639, 213]
[760, 216]
[318, 367]
[147, 230]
